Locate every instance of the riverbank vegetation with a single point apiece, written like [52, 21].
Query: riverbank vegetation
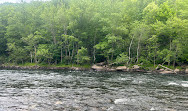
[118, 32]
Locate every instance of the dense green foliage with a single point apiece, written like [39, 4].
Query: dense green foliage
[91, 31]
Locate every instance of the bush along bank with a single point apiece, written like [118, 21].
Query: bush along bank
[44, 67]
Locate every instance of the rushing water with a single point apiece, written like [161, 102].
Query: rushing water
[47, 90]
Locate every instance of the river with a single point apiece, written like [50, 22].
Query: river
[57, 90]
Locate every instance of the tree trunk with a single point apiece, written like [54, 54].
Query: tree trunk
[56, 61]
[69, 56]
[35, 54]
[76, 51]
[94, 50]
[31, 57]
[165, 68]
[66, 52]
[53, 36]
[72, 53]
[155, 55]
[108, 59]
[48, 61]
[112, 56]
[130, 50]
[175, 57]
[170, 52]
[65, 30]
[154, 58]
[138, 48]
[54, 39]
[61, 55]
[69, 51]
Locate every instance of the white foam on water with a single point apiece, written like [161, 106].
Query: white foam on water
[173, 83]
[137, 82]
[185, 82]
[123, 79]
[121, 101]
[184, 85]
[152, 109]
[124, 101]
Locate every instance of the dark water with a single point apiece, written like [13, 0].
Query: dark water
[39, 90]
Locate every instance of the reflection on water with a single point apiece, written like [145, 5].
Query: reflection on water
[39, 90]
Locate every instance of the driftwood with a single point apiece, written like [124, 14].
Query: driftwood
[165, 68]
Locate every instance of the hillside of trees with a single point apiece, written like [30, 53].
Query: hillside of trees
[91, 31]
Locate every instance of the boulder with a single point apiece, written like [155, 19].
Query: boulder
[186, 70]
[75, 68]
[128, 69]
[98, 68]
[121, 68]
[111, 69]
[167, 72]
[176, 70]
[136, 67]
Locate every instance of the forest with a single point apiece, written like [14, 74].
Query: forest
[118, 32]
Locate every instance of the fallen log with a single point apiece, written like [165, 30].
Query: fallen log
[166, 68]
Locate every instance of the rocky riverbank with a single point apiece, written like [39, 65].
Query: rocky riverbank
[136, 68]
[99, 67]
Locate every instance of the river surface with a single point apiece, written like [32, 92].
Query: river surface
[57, 90]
